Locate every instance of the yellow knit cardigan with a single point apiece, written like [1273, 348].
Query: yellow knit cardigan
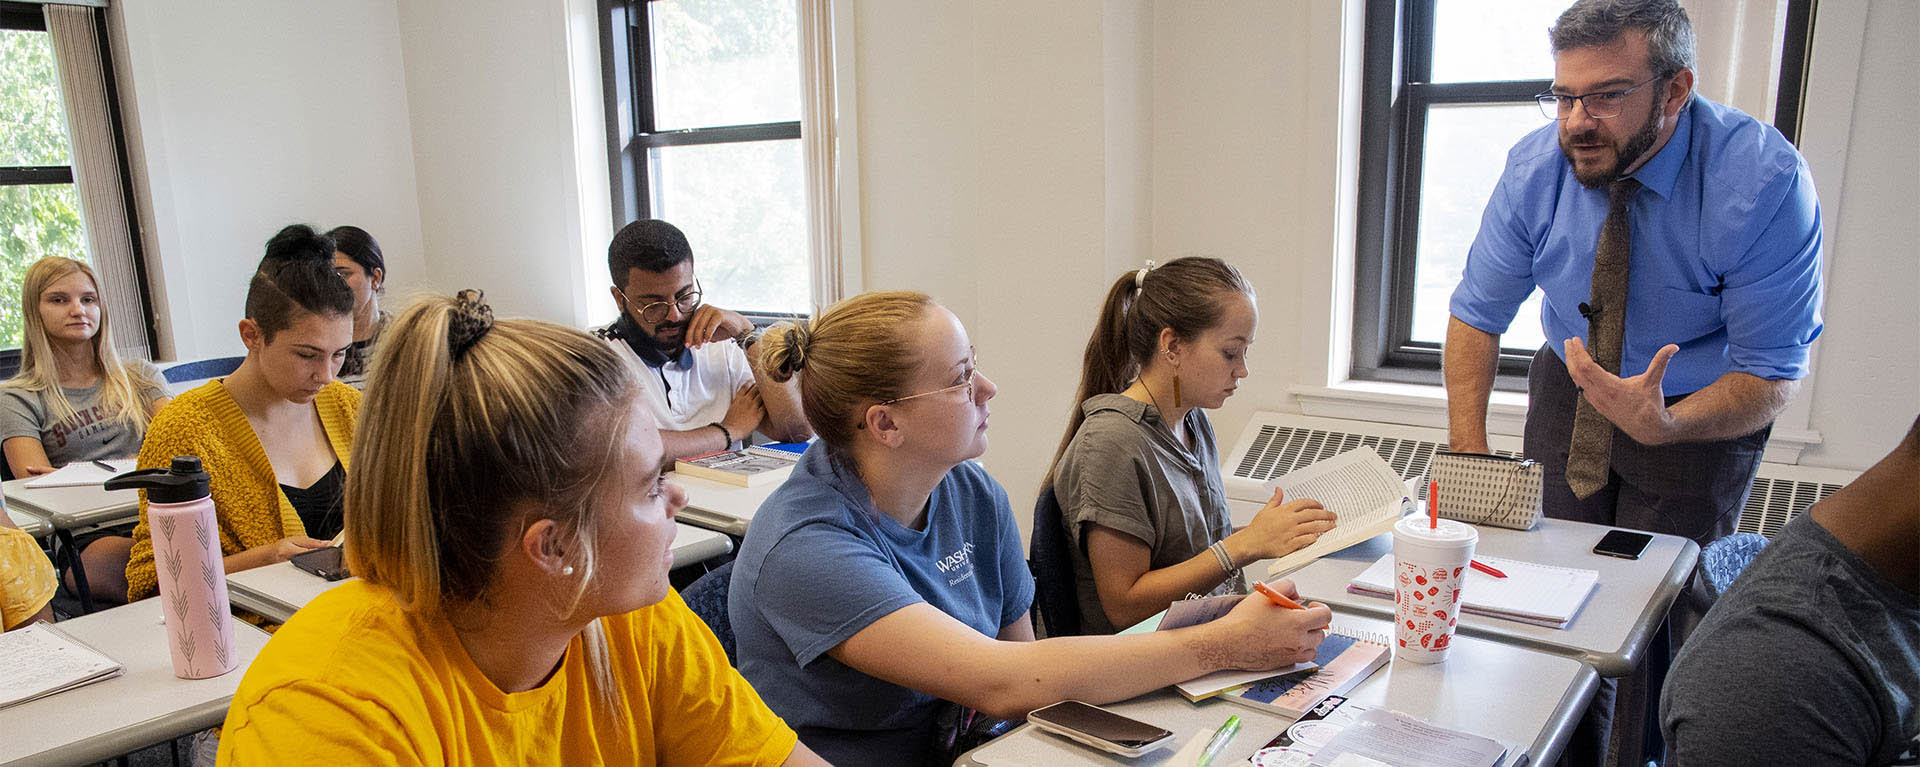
[251, 508]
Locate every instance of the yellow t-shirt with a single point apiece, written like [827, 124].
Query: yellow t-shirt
[26, 577]
[353, 679]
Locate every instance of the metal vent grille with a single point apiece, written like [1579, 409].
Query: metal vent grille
[1277, 449]
[1774, 502]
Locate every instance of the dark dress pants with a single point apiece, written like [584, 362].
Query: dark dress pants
[1694, 490]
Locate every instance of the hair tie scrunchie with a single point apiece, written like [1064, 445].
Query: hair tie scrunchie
[471, 319]
[1140, 277]
[797, 341]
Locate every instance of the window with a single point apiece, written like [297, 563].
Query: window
[52, 202]
[39, 206]
[704, 104]
[1447, 89]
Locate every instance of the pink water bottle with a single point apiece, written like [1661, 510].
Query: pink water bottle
[186, 553]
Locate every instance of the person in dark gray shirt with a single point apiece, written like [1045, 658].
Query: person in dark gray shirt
[1813, 656]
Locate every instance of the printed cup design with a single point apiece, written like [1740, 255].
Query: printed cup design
[1425, 601]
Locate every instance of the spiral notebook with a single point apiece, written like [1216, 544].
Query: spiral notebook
[1542, 595]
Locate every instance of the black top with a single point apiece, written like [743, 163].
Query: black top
[320, 505]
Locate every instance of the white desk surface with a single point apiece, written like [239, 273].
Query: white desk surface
[723, 507]
[1610, 633]
[73, 508]
[1525, 699]
[277, 590]
[30, 522]
[145, 705]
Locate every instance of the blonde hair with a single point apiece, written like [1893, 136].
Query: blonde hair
[121, 385]
[855, 354]
[465, 418]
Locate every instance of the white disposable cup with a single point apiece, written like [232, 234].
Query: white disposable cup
[1429, 569]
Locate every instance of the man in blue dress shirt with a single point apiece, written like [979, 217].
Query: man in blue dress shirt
[1723, 293]
[1706, 227]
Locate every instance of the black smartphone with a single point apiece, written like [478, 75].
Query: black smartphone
[329, 563]
[1625, 544]
[1100, 728]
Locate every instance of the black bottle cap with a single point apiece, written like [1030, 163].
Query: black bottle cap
[184, 482]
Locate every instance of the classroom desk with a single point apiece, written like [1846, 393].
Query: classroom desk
[1527, 700]
[30, 522]
[73, 509]
[723, 507]
[278, 590]
[145, 705]
[1610, 633]
[81, 507]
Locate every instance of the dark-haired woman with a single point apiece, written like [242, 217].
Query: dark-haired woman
[887, 573]
[276, 435]
[513, 607]
[358, 260]
[1138, 473]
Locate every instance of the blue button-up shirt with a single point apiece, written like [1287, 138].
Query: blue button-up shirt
[1725, 250]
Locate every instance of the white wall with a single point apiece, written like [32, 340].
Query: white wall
[511, 200]
[245, 117]
[1866, 385]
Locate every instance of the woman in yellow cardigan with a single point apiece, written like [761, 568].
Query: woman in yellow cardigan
[276, 435]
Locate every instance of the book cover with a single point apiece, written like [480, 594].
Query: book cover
[736, 467]
[1345, 661]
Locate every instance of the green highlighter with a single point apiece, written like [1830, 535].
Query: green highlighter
[1221, 738]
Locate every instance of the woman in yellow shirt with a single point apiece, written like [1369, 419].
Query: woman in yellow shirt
[276, 435]
[26, 577]
[513, 535]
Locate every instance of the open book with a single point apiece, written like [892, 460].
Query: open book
[39, 660]
[1361, 490]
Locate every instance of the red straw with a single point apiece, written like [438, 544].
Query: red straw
[1433, 505]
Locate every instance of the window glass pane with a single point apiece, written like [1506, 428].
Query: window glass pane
[1478, 40]
[741, 207]
[724, 62]
[35, 222]
[33, 122]
[1465, 151]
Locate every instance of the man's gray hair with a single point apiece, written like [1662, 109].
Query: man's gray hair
[1598, 22]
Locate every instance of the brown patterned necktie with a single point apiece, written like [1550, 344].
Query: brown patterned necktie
[1589, 457]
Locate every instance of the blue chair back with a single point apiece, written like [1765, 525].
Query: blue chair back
[201, 369]
[1722, 561]
[1050, 558]
[707, 597]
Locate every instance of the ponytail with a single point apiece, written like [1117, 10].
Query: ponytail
[1183, 294]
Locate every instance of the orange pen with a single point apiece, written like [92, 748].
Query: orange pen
[1276, 597]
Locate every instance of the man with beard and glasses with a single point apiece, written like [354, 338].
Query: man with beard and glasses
[1677, 242]
[706, 393]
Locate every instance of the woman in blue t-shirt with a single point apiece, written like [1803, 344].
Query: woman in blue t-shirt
[887, 573]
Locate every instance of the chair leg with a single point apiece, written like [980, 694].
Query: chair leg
[63, 539]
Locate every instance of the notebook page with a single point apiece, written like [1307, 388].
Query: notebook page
[82, 473]
[37, 660]
[1530, 590]
[1361, 490]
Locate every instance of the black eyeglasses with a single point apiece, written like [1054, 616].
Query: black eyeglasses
[686, 302]
[1600, 106]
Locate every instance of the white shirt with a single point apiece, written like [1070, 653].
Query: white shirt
[696, 390]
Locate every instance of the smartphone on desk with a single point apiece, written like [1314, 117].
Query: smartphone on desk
[1100, 728]
[1625, 544]
[329, 563]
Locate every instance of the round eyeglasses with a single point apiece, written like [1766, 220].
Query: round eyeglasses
[1601, 105]
[655, 312]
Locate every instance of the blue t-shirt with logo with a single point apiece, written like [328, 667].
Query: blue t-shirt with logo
[820, 563]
